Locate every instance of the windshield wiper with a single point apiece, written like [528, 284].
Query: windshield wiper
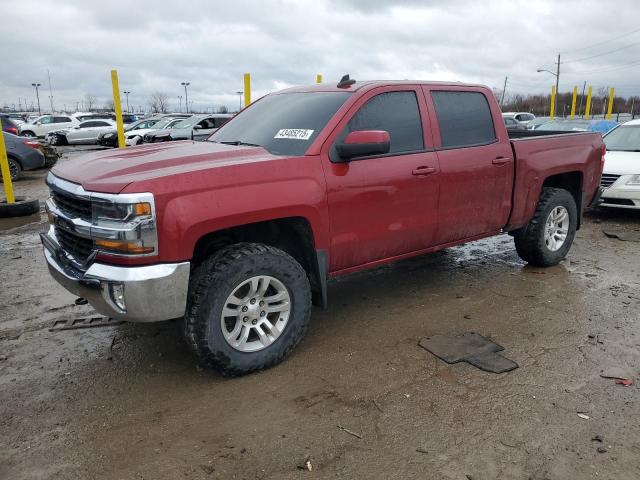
[238, 142]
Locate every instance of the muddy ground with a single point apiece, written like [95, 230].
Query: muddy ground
[129, 402]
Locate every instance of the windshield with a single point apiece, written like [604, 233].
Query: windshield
[188, 122]
[162, 123]
[623, 139]
[283, 124]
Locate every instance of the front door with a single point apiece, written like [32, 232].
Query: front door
[384, 205]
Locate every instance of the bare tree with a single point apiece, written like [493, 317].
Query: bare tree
[223, 109]
[90, 101]
[159, 102]
[109, 106]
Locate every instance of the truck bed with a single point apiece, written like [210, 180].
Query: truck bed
[513, 134]
[539, 155]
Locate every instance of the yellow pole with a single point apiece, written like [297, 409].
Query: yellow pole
[4, 167]
[573, 101]
[319, 78]
[610, 107]
[247, 90]
[117, 107]
[587, 108]
[552, 111]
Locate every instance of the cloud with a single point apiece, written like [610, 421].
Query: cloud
[156, 44]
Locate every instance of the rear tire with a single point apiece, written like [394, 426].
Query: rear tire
[14, 168]
[28, 133]
[547, 238]
[273, 329]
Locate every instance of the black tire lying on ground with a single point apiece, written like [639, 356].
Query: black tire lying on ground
[21, 208]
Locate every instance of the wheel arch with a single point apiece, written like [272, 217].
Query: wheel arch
[293, 235]
[570, 181]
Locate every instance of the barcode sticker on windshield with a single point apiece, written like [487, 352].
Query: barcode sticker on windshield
[294, 133]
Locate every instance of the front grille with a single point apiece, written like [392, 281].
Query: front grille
[608, 179]
[78, 247]
[76, 207]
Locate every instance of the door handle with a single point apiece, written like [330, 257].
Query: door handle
[500, 160]
[419, 171]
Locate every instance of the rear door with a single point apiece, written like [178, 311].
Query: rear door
[382, 206]
[476, 163]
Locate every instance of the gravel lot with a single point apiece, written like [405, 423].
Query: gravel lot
[128, 401]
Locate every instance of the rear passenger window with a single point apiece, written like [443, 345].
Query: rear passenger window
[395, 112]
[464, 117]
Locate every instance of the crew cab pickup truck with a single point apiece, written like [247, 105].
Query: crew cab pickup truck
[237, 236]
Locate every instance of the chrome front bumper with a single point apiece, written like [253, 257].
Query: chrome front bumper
[151, 293]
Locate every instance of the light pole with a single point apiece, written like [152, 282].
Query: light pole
[180, 100]
[557, 75]
[186, 95]
[127, 95]
[240, 100]
[36, 85]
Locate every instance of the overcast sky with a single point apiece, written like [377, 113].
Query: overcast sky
[157, 44]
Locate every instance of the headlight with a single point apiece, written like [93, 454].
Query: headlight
[124, 227]
[108, 135]
[634, 180]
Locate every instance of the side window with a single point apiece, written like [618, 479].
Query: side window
[397, 113]
[87, 124]
[464, 117]
[61, 119]
[207, 123]
[46, 120]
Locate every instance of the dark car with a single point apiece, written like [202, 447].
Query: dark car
[23, 154]
[8, 125]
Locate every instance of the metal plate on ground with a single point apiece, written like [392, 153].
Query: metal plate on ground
[469, 347]
[85, 322]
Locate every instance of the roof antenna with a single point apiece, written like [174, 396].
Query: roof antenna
[345, 81]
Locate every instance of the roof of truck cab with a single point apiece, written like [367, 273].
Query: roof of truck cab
[333, 86]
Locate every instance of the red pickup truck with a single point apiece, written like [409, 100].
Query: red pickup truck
[238, 235]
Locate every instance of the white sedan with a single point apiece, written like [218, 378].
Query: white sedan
[84, 133]
[621, 175]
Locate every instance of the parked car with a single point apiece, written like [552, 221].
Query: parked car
[109, 138]
[197, 127]
[513, 124]
[621, 175]
[45, 124]
[85, 132]
[136, 137]
[536, 122]
[8, 125]
[237, 235]
[577, 125]
[17, 118]
[23, 154]
[522, 117]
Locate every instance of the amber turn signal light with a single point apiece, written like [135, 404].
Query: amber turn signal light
[122, 246]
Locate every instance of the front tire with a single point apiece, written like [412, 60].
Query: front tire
[28, 133]
[248, 307]
[547, 238]
[15, 169]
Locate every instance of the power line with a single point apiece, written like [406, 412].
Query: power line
[635, 63]
[602, 54]
[603, 42]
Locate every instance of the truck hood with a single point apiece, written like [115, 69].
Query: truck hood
[622, 163]
[110, 171]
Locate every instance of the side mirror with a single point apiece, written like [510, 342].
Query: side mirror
[363, 143]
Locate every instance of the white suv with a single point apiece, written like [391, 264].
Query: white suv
[45, 124]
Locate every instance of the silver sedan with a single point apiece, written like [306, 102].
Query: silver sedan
[84, 133]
